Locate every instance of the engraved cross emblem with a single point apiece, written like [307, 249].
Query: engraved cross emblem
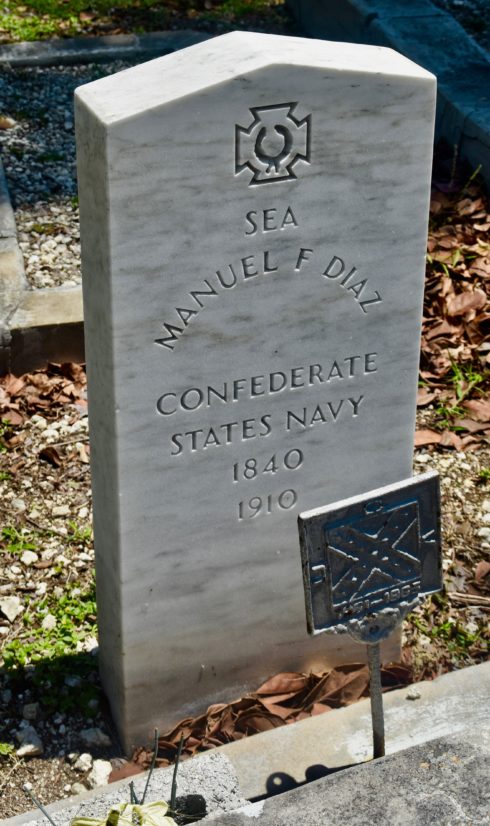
[272, 145]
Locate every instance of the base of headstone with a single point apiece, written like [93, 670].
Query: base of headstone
[333, 651]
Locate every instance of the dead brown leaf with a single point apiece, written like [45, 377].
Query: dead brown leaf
[281, 700]
[425, 396]
[479, 408]
[482, 576]
[50, 454]
[450, 439]
[427, 437]
[459, 305]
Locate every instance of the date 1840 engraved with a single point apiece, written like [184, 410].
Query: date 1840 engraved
[252, 468]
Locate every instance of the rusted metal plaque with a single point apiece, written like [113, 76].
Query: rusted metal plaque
[368, 560]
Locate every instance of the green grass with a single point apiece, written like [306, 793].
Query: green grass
[465, 379]
[75, 614]
[15, 542]
[5, 428]
[54, 653]
[40, 19]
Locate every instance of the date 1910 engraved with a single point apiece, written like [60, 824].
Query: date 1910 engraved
[251, 468]
[267, 504]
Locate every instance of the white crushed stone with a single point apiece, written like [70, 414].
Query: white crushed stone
[99, 775]
[11, 607]
[83, 763]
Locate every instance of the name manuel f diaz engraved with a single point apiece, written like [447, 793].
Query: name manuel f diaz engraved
[267, 264]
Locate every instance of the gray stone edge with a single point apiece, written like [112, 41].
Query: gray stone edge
[443, 782]
[462, 67]
[97, 49]
[13, 280]
[210, 774]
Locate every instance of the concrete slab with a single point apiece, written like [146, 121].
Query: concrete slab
[47, 325]
[209, 775]
[280, 759]
[442, 782]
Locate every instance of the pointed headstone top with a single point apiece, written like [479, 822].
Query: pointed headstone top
[134, 91]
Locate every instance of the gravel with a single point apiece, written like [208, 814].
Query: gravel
[38, 150]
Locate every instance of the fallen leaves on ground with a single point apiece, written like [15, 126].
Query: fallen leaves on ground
[283, 699]
[455, 349]
[43, 391]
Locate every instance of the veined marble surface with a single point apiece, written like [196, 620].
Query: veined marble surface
[254, 216]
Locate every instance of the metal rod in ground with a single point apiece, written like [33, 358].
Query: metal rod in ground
[377, 715]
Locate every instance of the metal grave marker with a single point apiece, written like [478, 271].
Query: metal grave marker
[367, 562]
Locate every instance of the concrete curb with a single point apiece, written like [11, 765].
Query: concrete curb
[462, 67]
[292, 755]
[36, 326]
[441, 782]
[97, 49]
[209, 775]
[13, 282]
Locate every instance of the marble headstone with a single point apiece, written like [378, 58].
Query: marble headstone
[253, 216]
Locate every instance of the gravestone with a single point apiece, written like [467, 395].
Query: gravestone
[253, 217]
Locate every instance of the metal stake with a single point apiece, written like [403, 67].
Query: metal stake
[376, 700]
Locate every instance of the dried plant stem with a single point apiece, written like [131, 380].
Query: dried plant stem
[173, 795]
[153, 763]
[38, 804]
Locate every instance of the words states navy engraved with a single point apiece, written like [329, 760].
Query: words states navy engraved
[273, 143]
